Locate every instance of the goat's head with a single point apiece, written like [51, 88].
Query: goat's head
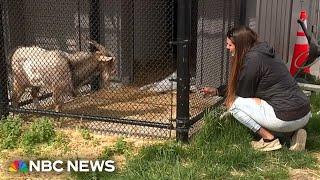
[106, 60]
[101, 48]
[103, 54]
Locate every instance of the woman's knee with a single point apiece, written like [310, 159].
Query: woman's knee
[257, 100]
[245, 119]
[240, 103]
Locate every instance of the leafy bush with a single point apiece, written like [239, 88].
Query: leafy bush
[10, 130]
[41, 131]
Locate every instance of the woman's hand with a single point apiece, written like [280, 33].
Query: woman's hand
[209, 91]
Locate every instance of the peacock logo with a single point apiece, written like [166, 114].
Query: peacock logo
[18, 166]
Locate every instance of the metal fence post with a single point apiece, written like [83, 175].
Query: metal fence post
[183, 71]
[94, 26]
[4, 101]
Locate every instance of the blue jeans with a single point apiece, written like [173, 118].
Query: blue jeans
[254, 116]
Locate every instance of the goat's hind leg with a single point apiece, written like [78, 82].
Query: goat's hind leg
[58, 99]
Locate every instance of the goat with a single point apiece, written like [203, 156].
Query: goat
[34, 67]
[84, 65]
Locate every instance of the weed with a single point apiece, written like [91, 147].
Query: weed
[85, 133]
[122, 147]
[107, 153]
[61, 141]
[96, 142]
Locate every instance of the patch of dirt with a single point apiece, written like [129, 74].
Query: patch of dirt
[298, 174]
[301, 174]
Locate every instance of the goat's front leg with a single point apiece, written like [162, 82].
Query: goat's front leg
[35, 97]
[17, 92]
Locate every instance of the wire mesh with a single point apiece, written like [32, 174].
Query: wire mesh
[92, 58]
[214, 20]
[111, 60]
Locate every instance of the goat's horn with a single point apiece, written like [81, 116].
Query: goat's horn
[101, 48]
[97, 45]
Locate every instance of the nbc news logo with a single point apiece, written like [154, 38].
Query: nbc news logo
[60, 166]
[18, 166]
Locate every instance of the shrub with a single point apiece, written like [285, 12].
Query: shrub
[41, 131]
[10, 130]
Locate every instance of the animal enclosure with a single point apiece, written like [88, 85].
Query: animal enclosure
[123, 66]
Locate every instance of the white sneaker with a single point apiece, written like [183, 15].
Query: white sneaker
[298, 140]
[266, 146]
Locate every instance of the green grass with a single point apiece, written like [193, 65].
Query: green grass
[313, 140]
[315, 102]
[221, 150]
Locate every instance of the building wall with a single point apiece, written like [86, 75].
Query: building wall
[273, 19]
[276, 22]
[138, 32]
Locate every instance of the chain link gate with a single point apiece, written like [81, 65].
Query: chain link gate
[212, 58]
[113, 62]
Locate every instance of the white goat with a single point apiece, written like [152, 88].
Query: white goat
[34, 67]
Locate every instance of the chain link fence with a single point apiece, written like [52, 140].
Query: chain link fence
[109, 65]
[212, 61]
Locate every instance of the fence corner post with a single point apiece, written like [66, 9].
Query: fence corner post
[183, 71]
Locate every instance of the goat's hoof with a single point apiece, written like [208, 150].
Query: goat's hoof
[57, 109]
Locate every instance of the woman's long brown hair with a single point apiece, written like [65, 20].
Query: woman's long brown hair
[243, 38]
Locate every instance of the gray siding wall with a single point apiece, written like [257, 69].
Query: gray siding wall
[314, 7]
[50, 24]
[273, 23]
[276, 22]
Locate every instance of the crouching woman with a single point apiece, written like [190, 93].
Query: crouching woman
[261, 94]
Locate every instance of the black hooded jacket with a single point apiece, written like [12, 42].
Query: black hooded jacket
[265, 76]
